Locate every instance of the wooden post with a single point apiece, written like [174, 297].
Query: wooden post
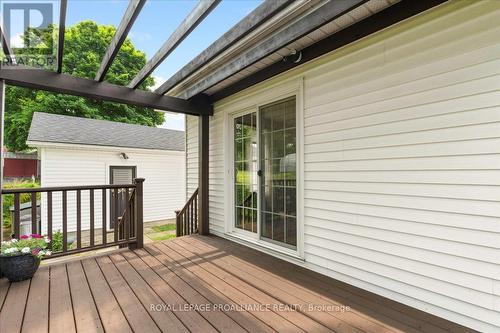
[49, 217]
[34, 226]
[65, 220]
[17, 216]
[139, 222]
[203, 123]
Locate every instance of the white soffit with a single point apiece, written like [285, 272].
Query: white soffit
[367, 9]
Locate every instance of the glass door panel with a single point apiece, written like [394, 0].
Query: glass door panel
[245, 172]
[278, 202]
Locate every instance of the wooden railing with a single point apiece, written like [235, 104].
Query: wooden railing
[186, 219]
[73, 232]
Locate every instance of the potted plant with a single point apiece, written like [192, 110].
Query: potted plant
[20, 258]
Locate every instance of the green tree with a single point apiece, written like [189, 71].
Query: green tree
[84, 48]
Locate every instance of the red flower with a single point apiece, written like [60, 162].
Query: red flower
[25, 237]
[36, 236]
[35, 252]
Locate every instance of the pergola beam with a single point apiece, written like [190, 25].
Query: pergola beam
[195, 17]
[6, 47]
[67, 84]
[131, 13]
[253, 20]
[62, 29]
[321, 16]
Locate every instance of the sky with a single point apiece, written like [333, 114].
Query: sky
[156, 22]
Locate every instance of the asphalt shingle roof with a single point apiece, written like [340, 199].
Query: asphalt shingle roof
[54, 128]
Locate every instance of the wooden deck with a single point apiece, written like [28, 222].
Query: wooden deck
[198, 284]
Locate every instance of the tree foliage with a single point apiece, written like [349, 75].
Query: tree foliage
[84, 48]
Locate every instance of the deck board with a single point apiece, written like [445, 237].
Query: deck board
[170, 284]
[61, 308]
[137, 315]
[36, 317]
[271, 318]
[114, 293]
[110, 313]
[169, 272]
[11, 317]
[298, 319]
[86, 315]
[288, 293]
[4, 289]
[165, 322]
[371, 307]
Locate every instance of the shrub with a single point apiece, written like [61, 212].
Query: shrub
[57, 241]
[8, 199]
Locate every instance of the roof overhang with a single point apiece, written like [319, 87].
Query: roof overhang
[360, 20]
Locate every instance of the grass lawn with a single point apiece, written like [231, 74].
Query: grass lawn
[161, 232]
[160, 236]
[165, 227]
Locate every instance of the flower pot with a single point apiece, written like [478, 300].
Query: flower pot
[19, 267]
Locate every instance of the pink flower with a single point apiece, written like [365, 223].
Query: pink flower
[35, 252]
[25, 237]
[36, 236]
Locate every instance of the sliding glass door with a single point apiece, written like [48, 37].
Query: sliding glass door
[265, 173]
[246, 172]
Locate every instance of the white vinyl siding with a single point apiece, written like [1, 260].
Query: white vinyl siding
[191, 155]
[401, 162]
[164, 184]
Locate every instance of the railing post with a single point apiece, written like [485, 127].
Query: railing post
[17, 215]
[177, 224]
[139, 222]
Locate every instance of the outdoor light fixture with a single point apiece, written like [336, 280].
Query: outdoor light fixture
[124, 156]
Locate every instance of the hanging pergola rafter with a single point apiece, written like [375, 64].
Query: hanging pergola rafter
[195, 17]
[62, 28]
[253, 20]
[132, 12]
[6, 47]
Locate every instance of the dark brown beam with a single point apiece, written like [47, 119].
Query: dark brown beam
[66, 84]
[248, 24]
[6, 47]
[195, 17]
[62, 29]
[374, 23]
[322, 15]
[203, 222]
[133, 10]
